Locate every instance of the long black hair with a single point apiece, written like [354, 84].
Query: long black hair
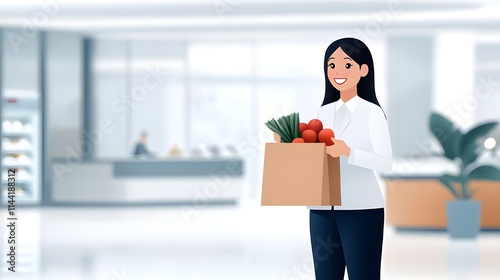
[360, 53]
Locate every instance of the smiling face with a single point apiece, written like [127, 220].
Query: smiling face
[343, 72]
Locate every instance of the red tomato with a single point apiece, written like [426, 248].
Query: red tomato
[298, 140]
[315, 125]
[302, 127]
[309, 136]
[325, 136]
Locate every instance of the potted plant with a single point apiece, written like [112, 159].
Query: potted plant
[463, 213]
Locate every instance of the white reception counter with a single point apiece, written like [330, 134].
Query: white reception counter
[148, 181]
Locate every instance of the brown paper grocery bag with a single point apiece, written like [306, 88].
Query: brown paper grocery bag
[300, 174]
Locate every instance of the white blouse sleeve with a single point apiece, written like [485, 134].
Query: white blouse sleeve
[381, 157]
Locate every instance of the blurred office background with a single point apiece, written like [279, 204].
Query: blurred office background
[80, 82]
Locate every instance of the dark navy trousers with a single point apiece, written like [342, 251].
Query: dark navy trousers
[347, 238]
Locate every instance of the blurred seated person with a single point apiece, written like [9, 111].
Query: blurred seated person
[140, 148]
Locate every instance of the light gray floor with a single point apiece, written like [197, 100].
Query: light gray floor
[219, 243]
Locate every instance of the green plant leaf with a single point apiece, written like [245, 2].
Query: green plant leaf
[464, 185]
[485, 172]
[447, 134]
[469, 142]
[469, 155]
[455, 142]
[447, 181]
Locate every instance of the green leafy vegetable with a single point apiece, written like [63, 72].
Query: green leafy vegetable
[287, 127]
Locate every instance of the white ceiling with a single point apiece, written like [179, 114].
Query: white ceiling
[111, 17]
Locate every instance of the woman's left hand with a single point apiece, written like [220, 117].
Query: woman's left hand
[339, 148]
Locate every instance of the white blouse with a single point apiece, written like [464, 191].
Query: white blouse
[367, 134]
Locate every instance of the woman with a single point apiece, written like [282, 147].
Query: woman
[351, 235]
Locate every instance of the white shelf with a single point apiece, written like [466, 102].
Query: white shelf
[27, 145]
[18, 193]
[20, 94]
[18, 181]
[16, 165]
[21, 197]
[17, 133]
[16, 151]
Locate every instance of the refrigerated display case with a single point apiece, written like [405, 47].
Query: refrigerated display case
[20, 148]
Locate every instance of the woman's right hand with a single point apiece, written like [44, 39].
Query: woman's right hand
[277, 138]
